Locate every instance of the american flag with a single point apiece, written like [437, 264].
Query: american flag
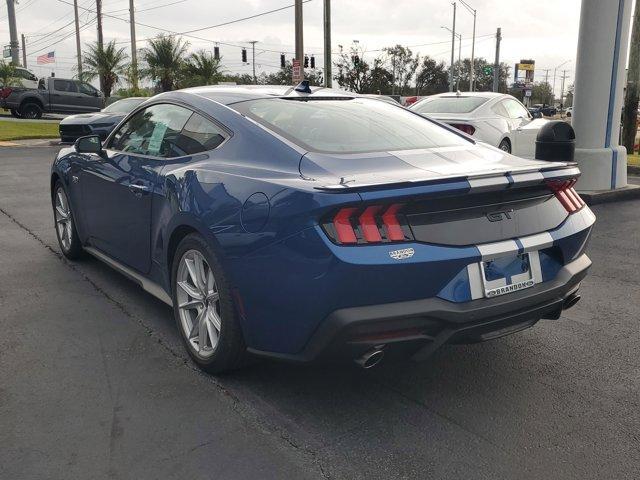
[47, 58]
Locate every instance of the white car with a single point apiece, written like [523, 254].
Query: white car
[494, 118]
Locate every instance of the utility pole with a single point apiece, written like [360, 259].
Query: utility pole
[632, 94]
[24, 52]
[100, 39]
[327, 43]
[496, 64]
[78, 49]
[459, 37]
[299, 35]
[13, 33]
[453, 47]
[564, 76]
[555, 70]
[134, 53]
[472, 73]
[99, 19]
[253, 56]
[546, 80]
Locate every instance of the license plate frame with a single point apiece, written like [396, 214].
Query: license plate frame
[495, 285]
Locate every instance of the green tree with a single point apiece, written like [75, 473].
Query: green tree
[202, 68]
[284, 76]
[483, 75]
[106, 62]
[379, 80]
[352, 71]
[402, 65]
[7, 74]
[542, 93]
[165, 59]
[432, 77]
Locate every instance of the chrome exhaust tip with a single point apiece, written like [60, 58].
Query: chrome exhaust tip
[371, 358]
[571, 301]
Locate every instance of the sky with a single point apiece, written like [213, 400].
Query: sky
[544, 30]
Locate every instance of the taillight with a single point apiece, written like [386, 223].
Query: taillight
[468, 129]
[5, 92]
[566, 194]
[371, 224]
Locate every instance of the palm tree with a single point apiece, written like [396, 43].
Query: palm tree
[165, 59]
[202, 68]
[106, 62]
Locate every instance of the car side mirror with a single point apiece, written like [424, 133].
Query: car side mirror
[89, 144]
[537, 114]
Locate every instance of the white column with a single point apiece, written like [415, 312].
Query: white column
[599, 90]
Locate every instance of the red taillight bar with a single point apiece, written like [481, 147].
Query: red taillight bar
[354, 225]
[342, 224]
[565, 193]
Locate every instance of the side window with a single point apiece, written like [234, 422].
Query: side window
[152, 131]
[198, 135]
[499, 109]
[64, 86]
[87, 89]
[515, 109]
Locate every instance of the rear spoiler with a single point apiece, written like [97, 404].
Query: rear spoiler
[477, 182]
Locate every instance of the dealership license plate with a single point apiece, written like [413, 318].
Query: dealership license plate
[507, 274]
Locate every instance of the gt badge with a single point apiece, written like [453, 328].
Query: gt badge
[402, 254]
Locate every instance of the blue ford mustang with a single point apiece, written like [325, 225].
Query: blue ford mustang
[307, 224]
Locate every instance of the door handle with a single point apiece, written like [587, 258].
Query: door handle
[139, 190]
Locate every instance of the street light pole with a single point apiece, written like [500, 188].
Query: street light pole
[459, 37]
[472, 73]
[327, 43]
[453, 47]
[553, 91]
[253, 59]
[299, 35]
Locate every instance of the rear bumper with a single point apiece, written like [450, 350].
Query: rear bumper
[421, 326]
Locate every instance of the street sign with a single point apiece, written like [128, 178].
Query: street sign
[6, 51]
[297, 72]
[487, 70]
[527, 93]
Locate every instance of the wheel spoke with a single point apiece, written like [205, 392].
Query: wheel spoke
[190, 305]
[60, 211]
[213, 334]
[214, 319]
[211, 283]
[202, 331]
[193, 273]
[198, 262]
[191, 291]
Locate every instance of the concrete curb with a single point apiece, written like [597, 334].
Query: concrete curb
[630, 192]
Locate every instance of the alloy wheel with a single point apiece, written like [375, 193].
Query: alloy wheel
[64, 222]
[198, 302]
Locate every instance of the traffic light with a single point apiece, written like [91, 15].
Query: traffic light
[313, 61]
[306, 61]
[488, 70]
[216, 52]
[356, 60]
[282, 60]
[244, 55]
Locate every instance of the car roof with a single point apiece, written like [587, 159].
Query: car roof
[228, 94]
[470, 94]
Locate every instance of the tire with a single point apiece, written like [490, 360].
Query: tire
[31, 111]
[212, 304]
[505, 145]
[65, 224]
[15, 113]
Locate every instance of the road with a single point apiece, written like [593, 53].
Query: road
[94, 382]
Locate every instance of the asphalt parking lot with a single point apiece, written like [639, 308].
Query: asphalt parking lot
[94, 382]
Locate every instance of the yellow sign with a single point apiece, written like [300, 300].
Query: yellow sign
[527, 66]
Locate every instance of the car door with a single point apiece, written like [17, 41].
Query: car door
[523, 128]
[89, 99]
[118, 186]
[62, 95]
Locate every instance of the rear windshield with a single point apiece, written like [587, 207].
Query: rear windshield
[348, 126]
[453, 104]
[124, 106]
